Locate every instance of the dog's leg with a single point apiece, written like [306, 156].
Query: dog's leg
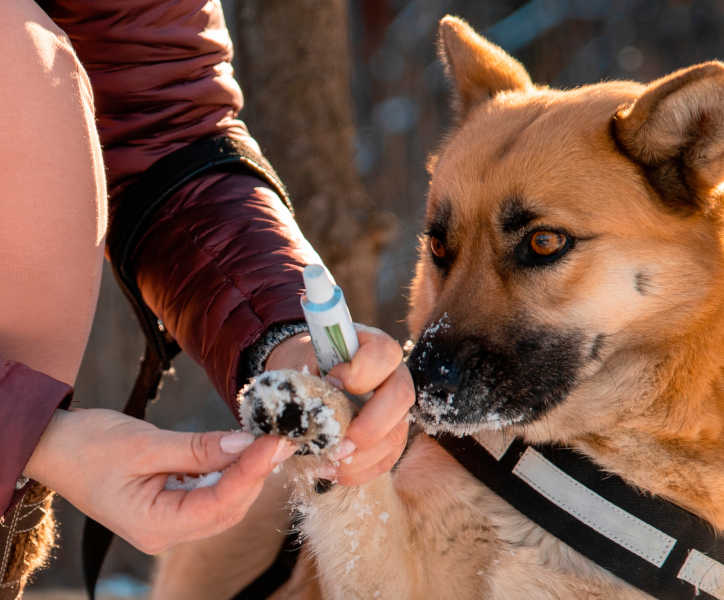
[358, 535]
[360, 539]
[403, 534]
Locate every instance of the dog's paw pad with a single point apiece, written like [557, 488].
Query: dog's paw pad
[301, 407]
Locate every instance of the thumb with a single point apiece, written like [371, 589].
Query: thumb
[199, 452]
[208, 510]
[257, 462]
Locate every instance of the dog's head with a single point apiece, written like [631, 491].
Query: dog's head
[571, 238]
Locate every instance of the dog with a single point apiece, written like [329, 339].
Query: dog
[569, 291]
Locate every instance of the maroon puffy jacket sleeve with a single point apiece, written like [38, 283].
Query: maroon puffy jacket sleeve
[220, 265]
[27, 401]
[222, 261]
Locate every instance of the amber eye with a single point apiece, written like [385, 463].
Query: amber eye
[437, 247]
[545, 243]
[543, 247]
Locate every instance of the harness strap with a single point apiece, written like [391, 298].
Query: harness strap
[648, 542]
[277, 573]
[136, 210]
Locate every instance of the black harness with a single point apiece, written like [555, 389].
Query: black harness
[691, 536]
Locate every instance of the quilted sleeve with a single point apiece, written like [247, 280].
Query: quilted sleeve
[221, 264]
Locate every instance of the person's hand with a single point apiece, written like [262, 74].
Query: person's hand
[114, 468]
[375, 438]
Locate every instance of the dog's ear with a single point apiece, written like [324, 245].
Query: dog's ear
[478, 68]
[675, 130]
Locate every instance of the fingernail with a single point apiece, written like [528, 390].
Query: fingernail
[325, 472]
[331, 379]
[284, 450]
[368, 329]
[343, 450]
[236, 442]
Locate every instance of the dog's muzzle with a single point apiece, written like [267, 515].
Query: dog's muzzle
[467, 383]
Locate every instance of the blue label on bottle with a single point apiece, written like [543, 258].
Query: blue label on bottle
[314, 307]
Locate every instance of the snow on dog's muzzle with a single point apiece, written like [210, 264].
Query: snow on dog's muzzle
[468, 383]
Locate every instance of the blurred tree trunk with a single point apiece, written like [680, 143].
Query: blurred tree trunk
[293, 63]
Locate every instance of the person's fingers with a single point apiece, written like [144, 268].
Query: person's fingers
[378, 356]
[384, 410]
[256, 462]
[177, 452]
[177, 516]
[231, 495]
[368, 464]
[373, 472]
[201, 512]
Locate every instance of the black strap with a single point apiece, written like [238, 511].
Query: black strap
[136, 210]
[689, 530]
[278, 572]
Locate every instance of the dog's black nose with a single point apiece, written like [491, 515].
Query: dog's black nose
[438, 376]
[437, 367]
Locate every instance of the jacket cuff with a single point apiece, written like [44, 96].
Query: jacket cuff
[254, 358]
[28, 399]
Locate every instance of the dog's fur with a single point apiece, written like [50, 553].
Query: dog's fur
[614, 345]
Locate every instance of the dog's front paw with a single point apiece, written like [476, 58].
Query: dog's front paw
[301, 407]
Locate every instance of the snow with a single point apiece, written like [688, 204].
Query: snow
[436, 413]
[431, 408]
[276, 390]
[443, 323]
[349, 567]
[192, 482]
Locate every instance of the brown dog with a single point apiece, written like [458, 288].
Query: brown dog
[570, 290]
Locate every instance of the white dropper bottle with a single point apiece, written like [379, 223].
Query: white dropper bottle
[330, 324]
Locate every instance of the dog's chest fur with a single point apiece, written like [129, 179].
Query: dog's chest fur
[471, 544]
[431, 530]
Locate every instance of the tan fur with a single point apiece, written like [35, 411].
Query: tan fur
[654, 406]
[480, 75]
[633, 171]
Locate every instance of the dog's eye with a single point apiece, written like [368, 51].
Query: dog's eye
[437, 247]
[441, 256]
[545, 243]
[542, 247]
[440, 252]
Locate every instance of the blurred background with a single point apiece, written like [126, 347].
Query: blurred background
[347, 99]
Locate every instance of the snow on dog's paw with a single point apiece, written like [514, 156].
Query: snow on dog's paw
[301, 407]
